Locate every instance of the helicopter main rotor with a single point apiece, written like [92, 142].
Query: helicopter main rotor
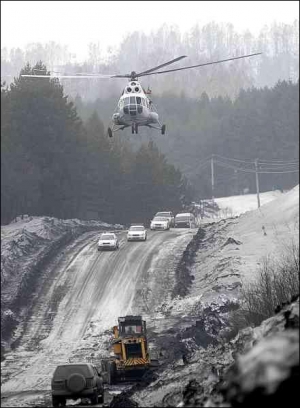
[133, 76]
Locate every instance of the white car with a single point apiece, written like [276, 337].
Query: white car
[108, 240]
[160, 223]
[167, 214]
[137, 233]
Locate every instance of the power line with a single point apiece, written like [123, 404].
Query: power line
[237, 160]
[290, 167]
[230, 166]
[269, 162]
[287, 166]
[203, 165]
[277, 168]
[279, 172]
[275, 161]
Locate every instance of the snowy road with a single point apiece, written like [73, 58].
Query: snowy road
[87, 292]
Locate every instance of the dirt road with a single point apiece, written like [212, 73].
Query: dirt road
[79, 301]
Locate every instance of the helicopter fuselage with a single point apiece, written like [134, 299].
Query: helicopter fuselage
[134, 109]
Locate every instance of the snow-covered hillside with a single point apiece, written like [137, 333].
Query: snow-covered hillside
[237, 205]
[228, 255]
[233, 250]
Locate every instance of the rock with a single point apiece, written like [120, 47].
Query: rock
[191, 391]
[121, 400]
[266, 374]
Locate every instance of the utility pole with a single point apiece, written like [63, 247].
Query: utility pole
[235, 177]
[212, 176]
[257, 182]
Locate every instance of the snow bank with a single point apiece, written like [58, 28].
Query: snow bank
[26, 237]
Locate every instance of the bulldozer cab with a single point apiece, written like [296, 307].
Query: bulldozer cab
[131, 326]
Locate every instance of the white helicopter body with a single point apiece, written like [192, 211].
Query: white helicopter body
[135, 109]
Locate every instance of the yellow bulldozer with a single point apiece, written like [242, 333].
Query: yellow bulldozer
[130, 358]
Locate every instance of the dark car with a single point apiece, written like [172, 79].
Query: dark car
[183, 220]
[73, 381]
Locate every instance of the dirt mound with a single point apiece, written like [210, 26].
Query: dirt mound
[122, 400]
[184, 278]
[231, 241]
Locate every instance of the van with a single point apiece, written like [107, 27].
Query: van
[185, 220]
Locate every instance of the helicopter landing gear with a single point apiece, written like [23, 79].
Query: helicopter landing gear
[136, 128]
[163, 129]
[132, 128]
[109, 131]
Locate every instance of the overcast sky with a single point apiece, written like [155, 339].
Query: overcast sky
[77, 23]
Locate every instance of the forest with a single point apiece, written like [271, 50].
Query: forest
[55, 164]
[57, 159]
[278, 43]
[259, 124]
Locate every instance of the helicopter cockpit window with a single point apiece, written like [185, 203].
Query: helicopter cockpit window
[133, 104]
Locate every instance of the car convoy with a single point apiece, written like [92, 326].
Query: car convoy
[162, 221]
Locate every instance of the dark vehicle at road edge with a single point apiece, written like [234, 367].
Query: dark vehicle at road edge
[185, 220]
[73, 381]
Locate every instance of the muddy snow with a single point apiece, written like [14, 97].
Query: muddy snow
[61, 297]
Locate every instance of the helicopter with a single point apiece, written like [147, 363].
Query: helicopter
[135, 108]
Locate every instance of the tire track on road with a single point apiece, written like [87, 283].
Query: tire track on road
[98, 287]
